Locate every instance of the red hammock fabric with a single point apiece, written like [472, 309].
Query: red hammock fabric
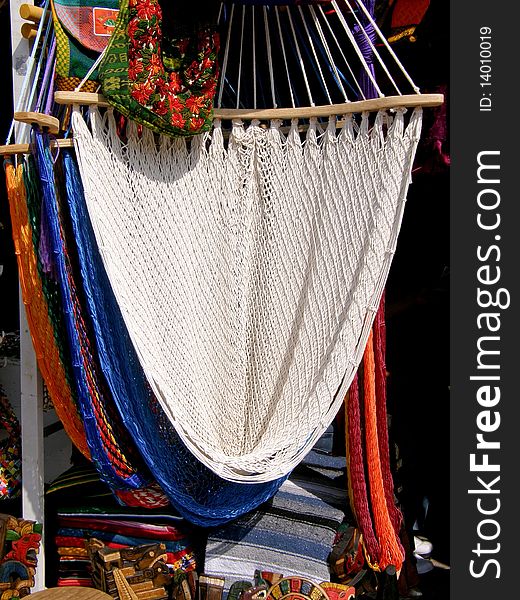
[378, 518]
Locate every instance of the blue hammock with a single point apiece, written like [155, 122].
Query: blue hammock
[112, 451]
[195, 491]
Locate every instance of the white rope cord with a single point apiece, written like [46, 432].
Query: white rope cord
[45, 44]
[284, 56]
[254, 55]
[346, 28]
[313, 49]
[269, 57]
[388, 46]
[241, 55]
[91, 70]
[29, 78]
[226, 58]
[300, 59]
[248, 271]
[331, 31]
[326, 47]
[373, 48]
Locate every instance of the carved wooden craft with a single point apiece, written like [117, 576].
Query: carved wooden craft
[19, 546]
[135, 573]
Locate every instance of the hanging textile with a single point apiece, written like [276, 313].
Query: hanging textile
[368, 459]
[10, 451]
[40, 302]
[168, 87]
[195, 491]
[116, 459]
[83, 29]
[248, 271]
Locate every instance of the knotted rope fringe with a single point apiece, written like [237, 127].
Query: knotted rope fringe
[248, 273]
[41, 329]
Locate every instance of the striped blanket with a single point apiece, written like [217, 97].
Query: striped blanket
[291, 534]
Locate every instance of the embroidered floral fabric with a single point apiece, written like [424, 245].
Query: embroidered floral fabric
[10, 451]
[167, 85]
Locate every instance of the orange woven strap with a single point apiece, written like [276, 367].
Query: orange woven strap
[42, 334]
[379, 332]
[357, 485]
[391, 552]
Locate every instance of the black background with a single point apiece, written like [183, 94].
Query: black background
[471, 132]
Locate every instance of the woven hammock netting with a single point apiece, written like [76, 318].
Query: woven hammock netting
[248, 270]
[195, 491]
[219, 289]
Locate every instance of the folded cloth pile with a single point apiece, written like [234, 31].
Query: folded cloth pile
[88, 510]
[122, 530]
[293, 533]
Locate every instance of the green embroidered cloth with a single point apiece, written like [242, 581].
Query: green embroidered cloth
[165, 84]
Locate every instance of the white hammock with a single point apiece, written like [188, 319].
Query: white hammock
[248, 273]
[249, 262]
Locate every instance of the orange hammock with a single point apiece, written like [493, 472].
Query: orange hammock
[40, 326]
[377, 516]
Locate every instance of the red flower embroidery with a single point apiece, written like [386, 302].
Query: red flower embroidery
[161, 107]
[134, 68]
[155, 66]
[147, 39]
[133, 26]
[195, 103]
[162, 87]
[164, 93]
[175, 103]
[148, 9]
[196, 123]
[209, 88]
[142, 93]
[178, 120]
[193, 71]
[175, 82]
[207, 63]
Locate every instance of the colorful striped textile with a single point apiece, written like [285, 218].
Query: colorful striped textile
[75, 532]
[23, 196]
[116, 538]
[127, 528]
[83, 29]
[111, 448]
[78, 482]
[291, 534]
[124, 513]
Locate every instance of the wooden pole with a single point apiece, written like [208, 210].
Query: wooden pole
[29, 12]
[31, 392]
[29, 30]
[303, 112]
